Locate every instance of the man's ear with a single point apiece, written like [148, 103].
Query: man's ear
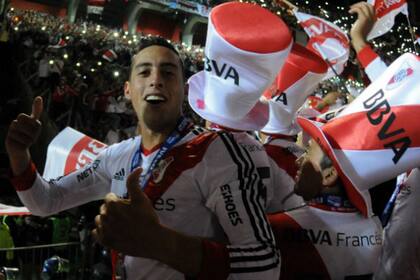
[329, 176]
[127, 90]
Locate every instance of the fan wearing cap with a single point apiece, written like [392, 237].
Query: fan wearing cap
[183, 203]
[346, 157]
[300, 75]
[329, 235]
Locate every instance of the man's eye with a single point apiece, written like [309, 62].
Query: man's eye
[143, 72]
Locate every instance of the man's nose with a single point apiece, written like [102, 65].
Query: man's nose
[156, 79]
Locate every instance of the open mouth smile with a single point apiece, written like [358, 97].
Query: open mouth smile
[155, 99]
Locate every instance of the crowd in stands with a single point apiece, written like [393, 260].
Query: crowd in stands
[80, 69]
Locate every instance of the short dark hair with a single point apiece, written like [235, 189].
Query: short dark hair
[150, 41]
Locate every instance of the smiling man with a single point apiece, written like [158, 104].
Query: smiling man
[157, 102]
[179, 202]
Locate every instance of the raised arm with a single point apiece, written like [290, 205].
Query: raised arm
[22, 133]
[369, 60]
[363, 25]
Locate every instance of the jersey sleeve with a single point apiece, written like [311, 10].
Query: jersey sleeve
[44, 198]
[236, 194]
[374, 66]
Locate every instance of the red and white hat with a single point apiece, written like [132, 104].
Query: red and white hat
[298, 78]
[246, 46]
[376, 137]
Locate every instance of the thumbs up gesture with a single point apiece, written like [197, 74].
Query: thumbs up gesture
[22, 133]
[131, 225]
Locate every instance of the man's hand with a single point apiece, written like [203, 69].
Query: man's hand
[328, 100]
[131, 225]
[363, 25]
[22, 133]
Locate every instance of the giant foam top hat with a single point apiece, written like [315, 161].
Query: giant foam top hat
[298, 78]
[246, 46]
[377, 136]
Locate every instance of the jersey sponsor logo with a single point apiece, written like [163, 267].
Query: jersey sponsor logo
[88, 171]
[345, 240]
[321, 237]
[167, 204]
[230, 206]
[119, 176]
[221, 70]
[160, 169]
[379, 109]
[401, 75]
[337, 239]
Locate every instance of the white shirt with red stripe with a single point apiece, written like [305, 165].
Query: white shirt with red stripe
[400, 258]
[323, 244]
[283, 154]
[206, 185]
[371, 62]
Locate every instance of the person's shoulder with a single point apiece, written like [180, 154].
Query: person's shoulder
[203, 137]
[280, 147]
[198, 137]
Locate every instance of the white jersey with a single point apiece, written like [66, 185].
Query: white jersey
[283, 154]
[323, 244]
[206, 185]
[400, 258]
